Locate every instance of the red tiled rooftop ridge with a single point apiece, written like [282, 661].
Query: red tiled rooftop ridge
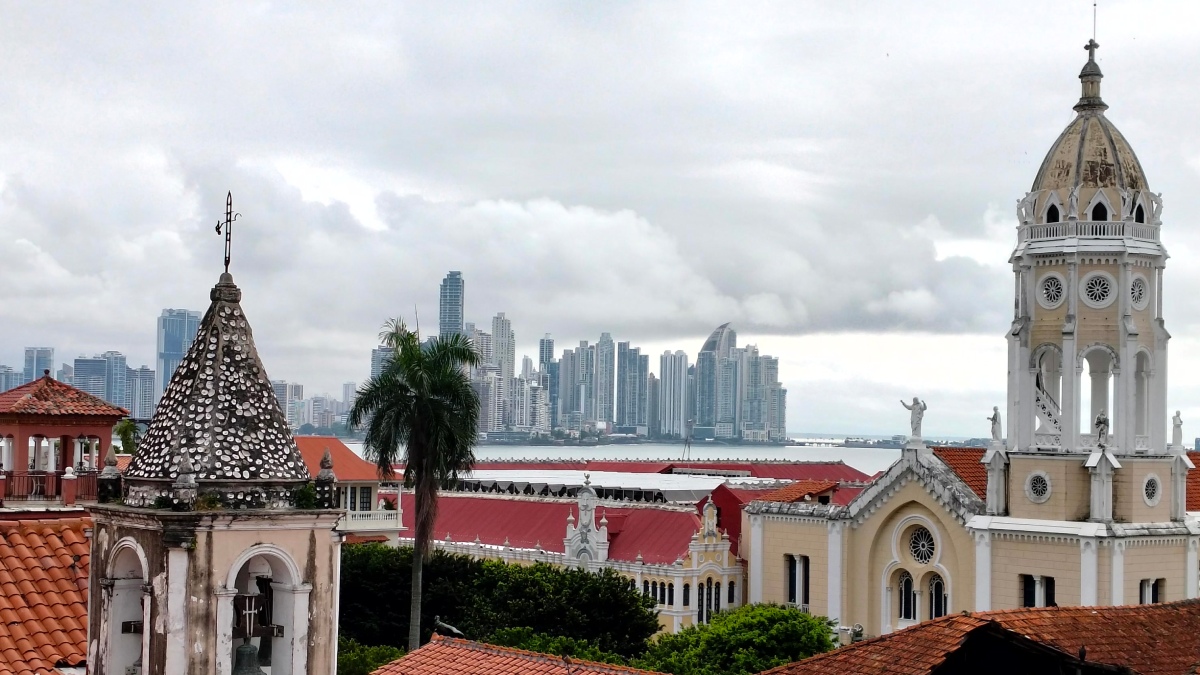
[799, 490]
[48, 396]
[452, 656]
[1193, 483]
[347, 466]
[1155, 639]
[966, 463]
[43, 595]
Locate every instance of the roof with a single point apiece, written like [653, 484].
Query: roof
[967, 464]
[220, 410]
[43, 595]
[1149, 639]
[799, 490]
[347, 466]
[660, 534]
[689, 488]
[123, 462]
[48, 396]
[783, 470]
[451, 656]
[1193, 483]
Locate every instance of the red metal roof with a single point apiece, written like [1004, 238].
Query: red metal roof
[660, 534]
[451, 656]
[783, 470]
[347, 466]
[966, 463]
[1157, 639]
[48, 396]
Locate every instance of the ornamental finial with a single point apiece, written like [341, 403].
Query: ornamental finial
[227, 224]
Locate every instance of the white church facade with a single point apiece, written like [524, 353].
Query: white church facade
[1084, 502]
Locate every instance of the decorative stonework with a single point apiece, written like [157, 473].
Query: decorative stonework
[1052, 290]
[1152, 489]
[1038, 487]
[1097, 289]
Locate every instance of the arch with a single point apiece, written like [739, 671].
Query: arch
[1052, 208]
[906, 596]
[939, 596]
[1099, 206]
[274, 554]
[128, 573]
[1100, 212]
[1103, 367]
[288, 608]
[119, 561]
[1139, 213]
[1046, 364]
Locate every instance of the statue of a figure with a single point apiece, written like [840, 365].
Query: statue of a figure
[1126, 204]
[1101, 429]
[1073, 203]
[1156, 200]
[995, 420]
[1177, 430]
[1026, 207]
[918, 409]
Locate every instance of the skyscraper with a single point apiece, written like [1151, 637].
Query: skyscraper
[545, 351]
[379, 358]
[568, 393]
[91, 375]
[10, 378]
[673, 394]
[605, 363]
[38, 360]
[450, 305]
[633, 370]
[116, 382]
[653, 424]
[176, 330]
[349, 393]
[66, 374]
[141, 384]
[505, 351]
[585, 381]
[711, 381]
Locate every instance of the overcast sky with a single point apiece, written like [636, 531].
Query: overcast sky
[836, 179]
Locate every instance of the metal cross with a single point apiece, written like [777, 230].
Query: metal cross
[1091, 48]
[230, 216]
[249, 613]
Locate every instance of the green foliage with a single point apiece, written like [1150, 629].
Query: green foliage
[358, 659]
[749, 639]
[127, 430]
[306, 429]
[305, 496]
[525, 638]
[208, 501]
[483, 597]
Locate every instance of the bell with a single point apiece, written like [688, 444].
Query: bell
[245, 660]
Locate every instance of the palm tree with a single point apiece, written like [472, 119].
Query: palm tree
[127, 430]
[422, 411]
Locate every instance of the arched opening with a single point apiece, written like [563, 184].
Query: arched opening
[1139, 214]
[1098, 396]
[654, 591]
[1048, 382]
[1141, 394]
[265, 609]
[127, 631]
[938, 599]
[1052, 214]
[906, 598]
[1100, 212]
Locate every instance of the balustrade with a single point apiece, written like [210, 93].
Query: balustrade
[1104, 229]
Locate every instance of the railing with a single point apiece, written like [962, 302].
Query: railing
[1047, 441]
[85, 485]
[803, 607]
[1088, 441]
[1087, 228]
[20, 485]
[371, 520]
[1048, 407]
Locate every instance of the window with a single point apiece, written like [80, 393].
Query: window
[1100, 212]
[654, 591]
[364, 499]
[730, 603]
[671, 594]
[717, 597]
[920, 545]
[908, 597]
[1152, 591]
[1139, 214]
[353, 499]
[662, 594]
[687, 592]
[1053, 291]
[1028, 591]
[1138, 293]
[937, 597]
[700, 602]
[797, 567]
[1048, 590]
[645, 588]
[1052, 214]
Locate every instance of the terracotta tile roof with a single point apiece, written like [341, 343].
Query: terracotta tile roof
[1158, 639]
[965, 463]
[451, 656]
[1193, 483]
[48, 396]
[347, 466]
[123, 462]
[43, 595]
[799, 490]
[660, 534]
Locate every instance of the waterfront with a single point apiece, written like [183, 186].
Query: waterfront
[867, 460]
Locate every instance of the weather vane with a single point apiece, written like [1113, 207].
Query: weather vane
[230, 216]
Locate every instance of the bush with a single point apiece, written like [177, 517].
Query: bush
[525, 638]
[358, 659]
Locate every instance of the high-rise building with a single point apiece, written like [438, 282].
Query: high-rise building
[141, 385]
[527, 370]
[653, 425]
[379, 358]
[66, 374]
[633, 370]
[177, 329]
[539, 411]
[550, 379]
[505, 353]
[715, 381]
[116, 383]
[673, 394]
[585, 381]
[568, 393]
[349, 393]
[545, 351]
[10, 378]
[91, 375]
[605, 363]
[38, 360]
[291, 400]
[450, 305]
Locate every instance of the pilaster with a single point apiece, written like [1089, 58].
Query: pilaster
[983, 571]
[756, 558]
[1089, 571]
[834, 574]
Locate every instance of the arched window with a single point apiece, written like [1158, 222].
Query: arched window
[1052, 214]
[1100, 212]
[671, 594]
[717, 597]
[730, 603]
[1139, 214]
[687, 595]
[937, 597]
[662, 594]
[654, 590]
[908, 597]
[700, 602]
[645, 588]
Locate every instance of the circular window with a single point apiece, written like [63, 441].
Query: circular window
[1037, 487]
[1051, 291]
[1138, 293]
[920, 544]
[1151, 490]
[1096, 290]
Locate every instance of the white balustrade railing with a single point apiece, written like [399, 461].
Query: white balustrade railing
[1088, 228]
[371, 520]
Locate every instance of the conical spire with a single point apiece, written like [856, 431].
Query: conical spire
[1090, 76]
[219, 414]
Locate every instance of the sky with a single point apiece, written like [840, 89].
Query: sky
[837, 179]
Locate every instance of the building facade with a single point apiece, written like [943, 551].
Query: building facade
[37, 361]
[451, 300]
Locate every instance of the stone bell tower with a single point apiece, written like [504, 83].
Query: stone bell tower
[220, 554]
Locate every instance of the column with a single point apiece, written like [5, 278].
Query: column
[1070, 367]
[37, 454]
[1190, 569]
[834, 572]
[1039, 591]
[756, 558]
[1089, 570]
[1117, 590]
[177, 654]
[983, 571]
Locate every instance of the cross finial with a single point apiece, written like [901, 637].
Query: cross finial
[230, 216]
[1091, 48]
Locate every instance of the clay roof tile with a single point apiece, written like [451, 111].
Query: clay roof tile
[449, 656]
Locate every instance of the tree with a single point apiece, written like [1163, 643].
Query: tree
[525, 638]
[749, 639]
[127, 430]
[358, 659]
[424, 412]
[306, 429]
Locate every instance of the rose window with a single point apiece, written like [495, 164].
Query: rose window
[1097, 289]
[1137, 292]
[1052, 290]
[1039, 487]
[920, 544]
[1151, 489]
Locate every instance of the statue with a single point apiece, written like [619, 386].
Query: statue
[1156, 200]
[1073, 203]
[995, 420]
[1177, 431]
[1026, 208]
[1101, 429]
[1126, 204]
[918, 409]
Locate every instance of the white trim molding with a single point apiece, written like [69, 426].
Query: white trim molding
[1062, 290]
[1191, 575]
[756, 558]
[1114, 289]
[1089, 572]
[1118, 573]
